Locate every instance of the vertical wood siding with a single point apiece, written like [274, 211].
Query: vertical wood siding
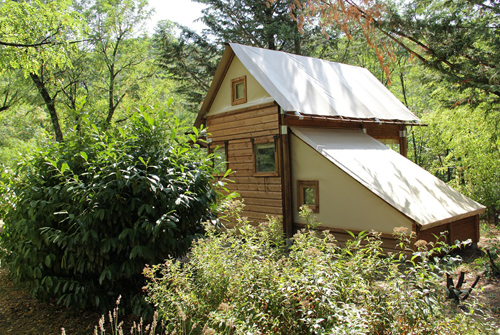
[461, 230]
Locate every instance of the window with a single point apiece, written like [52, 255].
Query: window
[265, 158]
[220, 158]
[391, 143]
[239, 90]
[308, 194]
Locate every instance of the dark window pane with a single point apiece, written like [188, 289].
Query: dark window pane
[265, 157]
[240, 91]
[309, 196]
[220, 160]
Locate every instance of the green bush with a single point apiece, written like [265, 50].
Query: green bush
[89, 213]
[246, 281]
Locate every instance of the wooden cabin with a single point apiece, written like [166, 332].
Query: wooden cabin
[298, 130]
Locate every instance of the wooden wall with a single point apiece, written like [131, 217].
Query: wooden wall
[262, 194]
[462, 230]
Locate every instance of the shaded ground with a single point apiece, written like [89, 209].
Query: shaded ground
[489, 287]
[21, 314]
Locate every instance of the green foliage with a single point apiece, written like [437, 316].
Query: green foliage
[192, 58]
[34, 32]
[21, 130]
[466, 143]
[245, 280]
[89, 213]
[121, 57]
[489, 263]
[458, 39]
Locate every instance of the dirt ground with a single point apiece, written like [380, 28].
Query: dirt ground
[21, 314]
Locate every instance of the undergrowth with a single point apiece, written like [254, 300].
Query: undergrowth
[247, 280]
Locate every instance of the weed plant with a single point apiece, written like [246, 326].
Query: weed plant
[247, 280]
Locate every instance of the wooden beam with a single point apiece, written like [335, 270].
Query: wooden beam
[403, 142]
[286, 180]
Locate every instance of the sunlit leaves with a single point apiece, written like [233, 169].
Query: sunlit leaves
[36, 32]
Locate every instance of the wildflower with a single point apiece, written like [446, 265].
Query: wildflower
[421, 245]
[223, 307]
[101, 323]
[208, 331]
[312, 251]
[401, 231]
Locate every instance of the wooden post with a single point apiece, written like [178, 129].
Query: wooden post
[403, 143]
[477, 228]
[286, 181]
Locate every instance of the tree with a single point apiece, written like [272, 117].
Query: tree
[109, 58]
[118, 49]
[11, 82]
[37, 37]
[192, 58]
[32, 32]
[459, 39]
[253, 22]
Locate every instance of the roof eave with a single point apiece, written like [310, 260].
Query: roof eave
[305, 117]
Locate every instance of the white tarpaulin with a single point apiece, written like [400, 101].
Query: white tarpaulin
[404, 185]
[318, 87]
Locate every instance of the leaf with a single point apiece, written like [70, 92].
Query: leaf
[64, 167]
[136, 251]
[48, 261]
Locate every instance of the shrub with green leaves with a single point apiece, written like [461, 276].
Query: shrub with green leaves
[89, 213]
[245, 280]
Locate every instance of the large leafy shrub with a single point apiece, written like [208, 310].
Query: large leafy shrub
[90, 212]
[246, 281]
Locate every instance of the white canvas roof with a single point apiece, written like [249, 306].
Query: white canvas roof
[404, 185]
[317, 87]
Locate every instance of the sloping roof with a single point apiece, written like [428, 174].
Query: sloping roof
[313, 86]
[402, 184]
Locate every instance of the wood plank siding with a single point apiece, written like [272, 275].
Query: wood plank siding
[461, 230]
[389, 243]
[262, 194]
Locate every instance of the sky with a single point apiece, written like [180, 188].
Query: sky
[180, 11]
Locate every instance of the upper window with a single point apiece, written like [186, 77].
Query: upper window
[239, 90]
[308, 194]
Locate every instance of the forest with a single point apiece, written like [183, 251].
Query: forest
[97, 157]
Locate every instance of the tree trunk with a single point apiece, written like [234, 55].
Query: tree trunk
[111, 98]
[50, 104]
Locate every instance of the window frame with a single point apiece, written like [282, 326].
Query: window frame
[211, 150]
[301, 185]
[234, 83]
[256, 142]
